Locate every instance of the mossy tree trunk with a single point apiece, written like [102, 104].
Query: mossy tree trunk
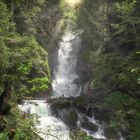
[6, 94]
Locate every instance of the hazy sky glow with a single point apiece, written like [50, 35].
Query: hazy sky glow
[73, 2]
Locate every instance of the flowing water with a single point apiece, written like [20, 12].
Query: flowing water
[100, 133]
[66, 83]
[48, 126]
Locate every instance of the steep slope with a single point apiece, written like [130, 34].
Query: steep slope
[111, 61]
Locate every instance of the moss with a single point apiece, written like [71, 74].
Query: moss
[60, 103]
[31, 66]
[111, 132]
[4, 135]
[116, 100]
[67, 102]
[81, 100]
[126, 116]
[15, 125]
[80, 135]
[73, 115]
[134, 124]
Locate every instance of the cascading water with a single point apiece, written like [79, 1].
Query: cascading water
[64, 83]
[49, 127]
[100, 133]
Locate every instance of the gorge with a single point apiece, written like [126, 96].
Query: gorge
[69, 70]
[49, 126]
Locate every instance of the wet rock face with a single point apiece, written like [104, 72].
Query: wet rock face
[89, 112]
[75, 113]
[52, 59]
[85, 110]
[67, 115]
[90, 126]
[77, 81]
[71, 118]
[86, 88]
[81, 108]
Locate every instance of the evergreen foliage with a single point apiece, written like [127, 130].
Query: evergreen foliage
[110, 52]
[24, 70]
[112, 43]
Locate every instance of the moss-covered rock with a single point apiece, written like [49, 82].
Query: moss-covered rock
[59, 103]
[90, 126]
[80, 135]
[70, 118]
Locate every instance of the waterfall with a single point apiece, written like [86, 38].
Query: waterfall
[48, 127]
[100, 133]
[65, 82]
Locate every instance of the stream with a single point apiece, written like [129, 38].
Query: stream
[52, 125]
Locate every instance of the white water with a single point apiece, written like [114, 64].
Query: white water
[48, 127]
[99, 134]
[64, 83]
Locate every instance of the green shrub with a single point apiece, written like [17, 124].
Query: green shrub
[20, 135]
[4, 136]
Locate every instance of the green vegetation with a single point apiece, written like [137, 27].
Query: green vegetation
[111, 52]
[110, 55]
[16, 125]
[80, 135]
[24, 70]
[23, 57]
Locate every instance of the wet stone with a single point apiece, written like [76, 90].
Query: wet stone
[90, 126]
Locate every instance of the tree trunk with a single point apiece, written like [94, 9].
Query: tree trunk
[5, 95]
[12, 7]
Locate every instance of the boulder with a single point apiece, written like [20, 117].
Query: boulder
[90, 126]
[68, 116]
